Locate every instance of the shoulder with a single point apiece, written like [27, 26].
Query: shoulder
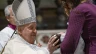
[16, 42]
[10, 44]
[4, 29]
[15, 46]
[83, 7]
[8, 48]
[7, 30]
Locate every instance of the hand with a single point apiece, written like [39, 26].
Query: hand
[58, 36]
[52, 44]
[39, 45]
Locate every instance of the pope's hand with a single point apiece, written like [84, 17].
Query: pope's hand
[52, 44]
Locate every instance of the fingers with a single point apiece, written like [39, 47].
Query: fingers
[56, 42]
[57, 46]
[51, 38]
[52, 46]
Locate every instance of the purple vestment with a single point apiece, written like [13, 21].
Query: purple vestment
[82, 22]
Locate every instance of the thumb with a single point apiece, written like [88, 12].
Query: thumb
[39, 45]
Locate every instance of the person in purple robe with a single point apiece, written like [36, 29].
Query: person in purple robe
[82, 22]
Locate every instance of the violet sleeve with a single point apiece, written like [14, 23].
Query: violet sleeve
[76, 22]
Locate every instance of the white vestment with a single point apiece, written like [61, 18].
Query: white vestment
[18, 45]
[5, 35]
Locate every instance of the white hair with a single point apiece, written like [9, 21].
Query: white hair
[7, 11]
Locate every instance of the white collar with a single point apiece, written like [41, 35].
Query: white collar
[39, 50]
[20, 38]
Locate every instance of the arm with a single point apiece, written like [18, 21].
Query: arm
[1, 48]
[3, 40]
[76, 22]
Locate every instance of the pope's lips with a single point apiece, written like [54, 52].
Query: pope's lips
[33, 35]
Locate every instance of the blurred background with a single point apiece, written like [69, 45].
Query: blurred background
[50, 14]
[51, 19]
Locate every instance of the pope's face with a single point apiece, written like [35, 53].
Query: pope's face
[29, 32]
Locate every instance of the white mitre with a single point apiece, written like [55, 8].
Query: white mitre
[24, 11]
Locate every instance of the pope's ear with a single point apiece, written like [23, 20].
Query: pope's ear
[19, 30]
[8, 18]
